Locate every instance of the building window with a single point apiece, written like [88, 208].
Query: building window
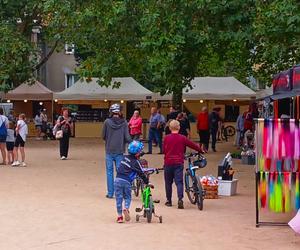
[231, 113]
[69, 49]
[70, 79]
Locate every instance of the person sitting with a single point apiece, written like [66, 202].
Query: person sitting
[126, 173]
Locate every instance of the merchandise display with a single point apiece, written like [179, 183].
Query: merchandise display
[277, 166]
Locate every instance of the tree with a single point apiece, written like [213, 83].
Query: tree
[277, 37]
[20, 57]
[164, 43]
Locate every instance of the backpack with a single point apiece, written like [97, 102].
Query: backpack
[3, 129]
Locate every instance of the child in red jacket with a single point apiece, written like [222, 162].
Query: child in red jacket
[174, 148]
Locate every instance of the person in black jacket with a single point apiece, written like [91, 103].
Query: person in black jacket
[214, 119]
[129, 167]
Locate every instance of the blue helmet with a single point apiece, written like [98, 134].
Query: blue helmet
[135, 147]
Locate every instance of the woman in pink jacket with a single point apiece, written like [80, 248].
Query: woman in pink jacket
[135, 126]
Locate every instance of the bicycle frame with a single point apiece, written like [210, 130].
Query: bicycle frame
[145, 197]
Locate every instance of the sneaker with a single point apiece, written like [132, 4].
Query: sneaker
[109, 197]
[120, 219]
[126, 214]
[180, 204]
[23, 164]
[63, 158]
[168, 204]
[15, 164]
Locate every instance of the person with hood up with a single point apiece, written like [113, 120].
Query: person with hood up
[115, 134]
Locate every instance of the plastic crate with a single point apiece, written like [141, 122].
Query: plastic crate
[227, 188]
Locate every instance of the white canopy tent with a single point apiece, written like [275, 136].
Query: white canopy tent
[129, 90]
[263, 93]
[217, 88]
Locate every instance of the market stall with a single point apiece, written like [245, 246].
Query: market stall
[93, 101]
[232, 96]
[286, 92]
[29, 98]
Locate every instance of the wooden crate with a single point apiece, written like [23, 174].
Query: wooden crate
[211, 192]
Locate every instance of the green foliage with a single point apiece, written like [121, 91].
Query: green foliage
[164, 44]
[19, 56]
[277, 37]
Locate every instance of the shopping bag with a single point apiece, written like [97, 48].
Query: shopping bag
[295, 223]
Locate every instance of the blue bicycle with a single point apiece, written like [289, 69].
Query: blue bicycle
[193, 187]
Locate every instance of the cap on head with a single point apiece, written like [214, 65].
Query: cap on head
[115, 108]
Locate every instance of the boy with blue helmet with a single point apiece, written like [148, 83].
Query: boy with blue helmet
[126, 173]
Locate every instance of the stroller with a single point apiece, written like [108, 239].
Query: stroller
[48, 132]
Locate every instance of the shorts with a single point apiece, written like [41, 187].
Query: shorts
[19, 142]
[10, 145]
[2, 139]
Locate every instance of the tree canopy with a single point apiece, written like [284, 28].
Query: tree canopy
[20, 56]
[164, 44]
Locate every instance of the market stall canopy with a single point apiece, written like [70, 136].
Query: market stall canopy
[129, 89]
[264, 93]
[217, 88]
[36, 92]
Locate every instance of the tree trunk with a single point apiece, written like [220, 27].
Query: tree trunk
[177, 99]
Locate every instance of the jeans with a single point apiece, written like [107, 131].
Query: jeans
[213, 133]
[123, 192]
[110, 159]
[204, 138]
[154, 134]
[64, 145]
[173, 173]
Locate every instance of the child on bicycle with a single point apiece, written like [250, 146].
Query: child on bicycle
[174, 149]
[126, 173]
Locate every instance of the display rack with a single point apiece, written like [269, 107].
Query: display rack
[277, 174]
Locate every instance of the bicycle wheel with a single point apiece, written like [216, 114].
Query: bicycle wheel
[224, 134]
[188, 179]
[149, 211]
[199, 194]
[230, 131]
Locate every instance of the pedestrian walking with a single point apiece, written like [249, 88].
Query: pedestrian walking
[10, 142]
[65, 124]
[154, 123]
[38, 122]
[239, 130]
[21, 134]
[184, 125]
[115, 134]
[3, 135]
[171, 116]
[214, 120]
[135, 125]
[203, 128]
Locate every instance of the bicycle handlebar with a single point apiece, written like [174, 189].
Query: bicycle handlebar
[152, 170]
[193, 155]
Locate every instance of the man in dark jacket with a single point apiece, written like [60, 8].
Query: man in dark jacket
[214, 119]
[115, 133]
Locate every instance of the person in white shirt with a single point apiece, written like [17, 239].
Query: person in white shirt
[3, 134]
[38, 121]
[21, 132]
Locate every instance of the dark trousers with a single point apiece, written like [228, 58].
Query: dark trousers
[173, 173]
[154, 133]
[64, 145]
[204, 137]
[213, 134]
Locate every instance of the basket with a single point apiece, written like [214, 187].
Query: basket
[211, 192]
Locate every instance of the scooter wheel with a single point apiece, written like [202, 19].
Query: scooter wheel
[160, 219]
[137, 218]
